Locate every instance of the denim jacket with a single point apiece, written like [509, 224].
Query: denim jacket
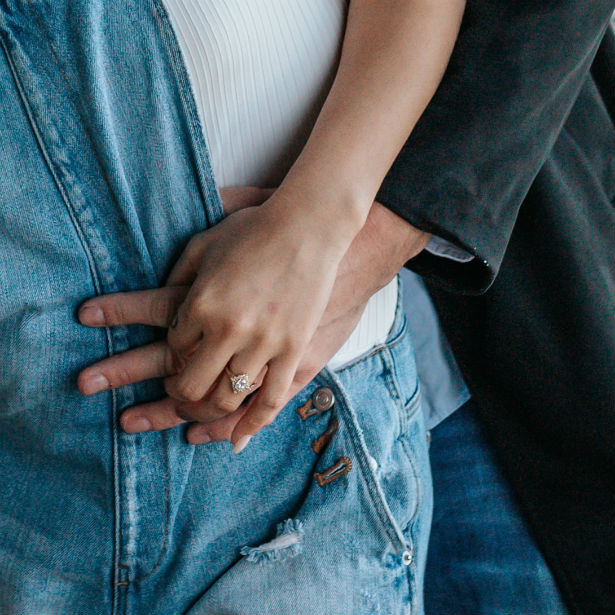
[104, 177]
[119, 169]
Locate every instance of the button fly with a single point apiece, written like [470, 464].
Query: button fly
[323, 399]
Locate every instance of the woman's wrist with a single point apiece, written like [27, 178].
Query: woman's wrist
[323, 211]
[392, 61]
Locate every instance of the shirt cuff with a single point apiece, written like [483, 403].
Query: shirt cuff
[441, 247]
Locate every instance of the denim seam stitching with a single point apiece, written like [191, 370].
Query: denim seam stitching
[374, 490]
[72, 97]
[412, 407]
[109, 336]
[404, 412]
[208, 189]
[165, 539]
[391, 386]
[417, 480]
[97, 286]
[376, 494]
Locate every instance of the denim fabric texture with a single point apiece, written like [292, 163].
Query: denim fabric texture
[442, 385]
[104, 177]
[483, 558]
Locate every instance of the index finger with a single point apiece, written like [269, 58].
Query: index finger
[156, 307]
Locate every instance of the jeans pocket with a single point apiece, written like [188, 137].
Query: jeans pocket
[381, 412]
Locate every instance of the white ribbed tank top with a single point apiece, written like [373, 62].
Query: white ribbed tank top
[260, 71]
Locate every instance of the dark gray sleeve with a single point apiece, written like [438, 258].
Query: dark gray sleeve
[514, 75]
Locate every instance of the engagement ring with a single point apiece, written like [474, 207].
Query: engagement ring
[240, 383]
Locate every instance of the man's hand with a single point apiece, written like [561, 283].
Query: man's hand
[377, 253]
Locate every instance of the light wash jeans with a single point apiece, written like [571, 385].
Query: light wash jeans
[104, 176]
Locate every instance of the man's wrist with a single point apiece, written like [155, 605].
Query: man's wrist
[386, 242]
[406, 239]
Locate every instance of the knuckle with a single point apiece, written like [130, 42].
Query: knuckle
[185, 389]
[293, 346]
[198, 309]
[118, 377]
[270, 338]
[272, 402]
[235, 326]
[305, 374]
[114, 313]
[226, 404]
[161, 308]
[261, 337]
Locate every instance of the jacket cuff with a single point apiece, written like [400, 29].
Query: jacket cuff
[486, 246]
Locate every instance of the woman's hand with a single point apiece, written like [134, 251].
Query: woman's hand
[259, 283]
[384, 244]
[156, 307]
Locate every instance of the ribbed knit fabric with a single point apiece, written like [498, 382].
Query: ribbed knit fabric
[260, 71]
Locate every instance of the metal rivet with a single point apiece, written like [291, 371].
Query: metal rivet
[406, 558]
[323, 399]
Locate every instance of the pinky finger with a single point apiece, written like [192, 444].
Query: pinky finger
[266, 403]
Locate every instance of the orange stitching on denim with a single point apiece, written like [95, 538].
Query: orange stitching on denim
[124, 568]
[325, 438]
[339, 468]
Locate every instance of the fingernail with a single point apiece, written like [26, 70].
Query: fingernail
[94, 384]
[91, 315]
[241, 444]
[198, 435]
[136, 424]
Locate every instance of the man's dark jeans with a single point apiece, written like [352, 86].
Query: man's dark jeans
[482, 558]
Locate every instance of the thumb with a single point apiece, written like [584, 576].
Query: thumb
[188, 264]
[234, 198]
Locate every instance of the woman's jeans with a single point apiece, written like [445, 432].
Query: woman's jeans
[104, 177]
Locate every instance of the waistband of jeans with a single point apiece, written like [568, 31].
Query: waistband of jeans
[395, 335]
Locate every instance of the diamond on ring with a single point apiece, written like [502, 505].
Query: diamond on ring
[240, 383]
